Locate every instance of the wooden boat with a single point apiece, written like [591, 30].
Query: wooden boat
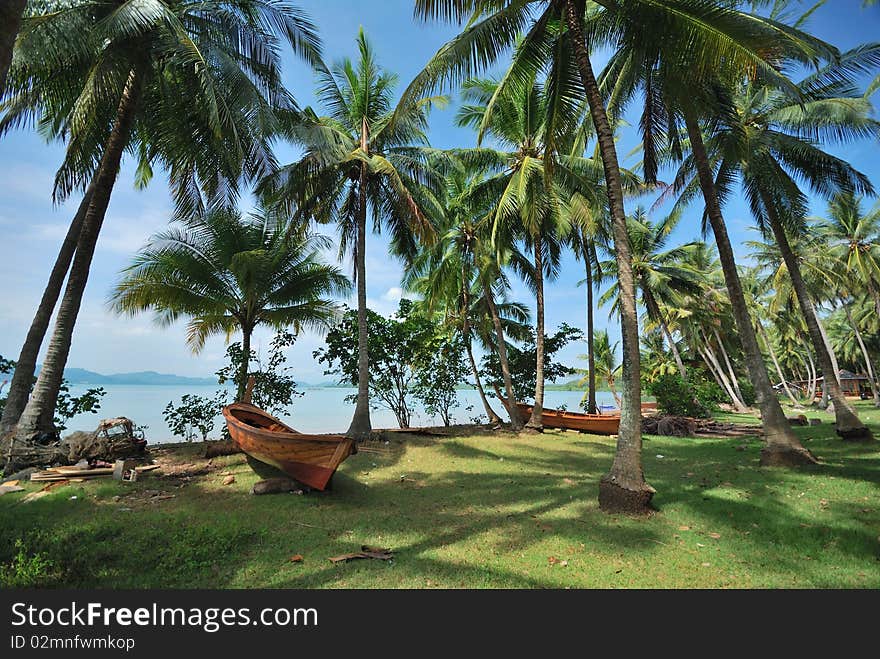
[310, 459]
[597, 424]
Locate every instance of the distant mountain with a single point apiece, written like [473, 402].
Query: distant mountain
[82, 376]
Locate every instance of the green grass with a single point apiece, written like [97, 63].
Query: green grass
[493, 511]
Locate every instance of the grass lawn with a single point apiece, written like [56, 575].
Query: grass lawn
[490, 511]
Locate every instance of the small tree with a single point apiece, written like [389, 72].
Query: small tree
[274, 386]
[395, 345]
[441, 367]
[523, 362]
[193, 413]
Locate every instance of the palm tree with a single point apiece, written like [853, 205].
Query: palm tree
[553, 34]
[460, 273]
[229, 273]
[365, 157]
[662, 275]
[771, 141]
[678, 83]
[10, 22]
[606, 366]
[193, 87]
[710, 37]
[532, 184]
[853, 239]
[582, 239]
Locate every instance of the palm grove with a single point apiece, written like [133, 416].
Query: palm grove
[194, 88]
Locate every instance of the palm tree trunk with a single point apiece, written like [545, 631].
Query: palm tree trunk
[490, 413]
[623, 488]
[591, 348]
[712, 358]
[361, 426]
[244, 367]
[10, 22]
[814, 377]
[22, 379]
[38, 415]
[466, 332]
[515, 421]
[865, 355]
[729, 364]
[783, 446]
[776, 365]
[848, 424]
[536, 422]
[654, 312]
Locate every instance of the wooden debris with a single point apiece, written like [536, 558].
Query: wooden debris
[680, 426]
[277, 486]
[377, 553]
[229, 480]
[7, 488]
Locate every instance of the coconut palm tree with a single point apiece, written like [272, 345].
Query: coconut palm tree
[678, 87]
[662, 275]
[606, 366]
[10, 22]
[853, 239]
[771, 142]
[365, 157]
[531, 185]
[192, 87]
[461, 274]
[703, 37]
[229, 273]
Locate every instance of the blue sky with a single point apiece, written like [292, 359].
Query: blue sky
[33, 228]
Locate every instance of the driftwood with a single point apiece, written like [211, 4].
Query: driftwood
[216, 449]
[113, 439]
[277, 486]
[680, 426]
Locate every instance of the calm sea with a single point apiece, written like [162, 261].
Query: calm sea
[321, 410]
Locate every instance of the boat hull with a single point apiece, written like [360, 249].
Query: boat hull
[597, 424]
[309, 459]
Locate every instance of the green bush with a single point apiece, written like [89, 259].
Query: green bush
[675, 397]
[747, 389]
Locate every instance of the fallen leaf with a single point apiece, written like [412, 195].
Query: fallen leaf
[700, 544]
[296, 558]
[568, 480]
[715, 536]
[229, 480]
[684, 528]
[707, 564]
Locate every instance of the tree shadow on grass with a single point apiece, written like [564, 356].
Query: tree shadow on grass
[483, 517]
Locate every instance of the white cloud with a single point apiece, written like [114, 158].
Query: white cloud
[393, 294]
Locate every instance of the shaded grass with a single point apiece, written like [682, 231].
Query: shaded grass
[483, 512]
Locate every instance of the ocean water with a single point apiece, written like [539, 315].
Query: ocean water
[321, 410]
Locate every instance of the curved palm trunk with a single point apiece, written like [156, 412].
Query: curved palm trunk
[711, 359]
[733, 379]
[361, 426]
[466, 331]
[783, 446]
[536, 422]
[865, 355]
[654, 313]
[10, 22]
[38, 414]
[848, 424]
[623, 488]
[22, 379]
[490, 413]
[591, 348]
[776, 365]
[515, 421]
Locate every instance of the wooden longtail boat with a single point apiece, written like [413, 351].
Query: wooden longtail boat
[597, 424]
[310, 459]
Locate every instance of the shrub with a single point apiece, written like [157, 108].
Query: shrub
[747, 389]
[675, 397]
